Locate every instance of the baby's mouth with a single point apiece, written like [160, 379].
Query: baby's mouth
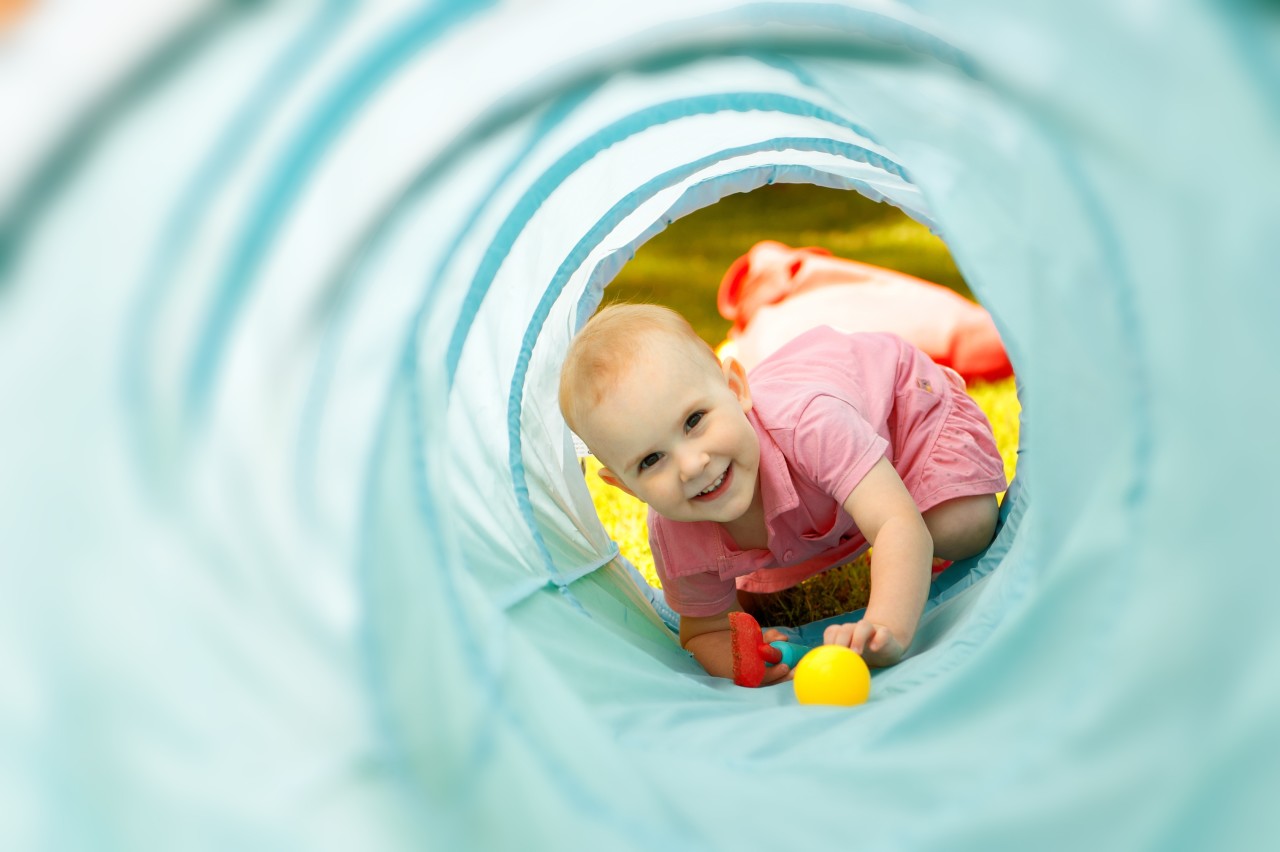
[713, 490]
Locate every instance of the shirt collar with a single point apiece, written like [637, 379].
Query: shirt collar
[777, 491]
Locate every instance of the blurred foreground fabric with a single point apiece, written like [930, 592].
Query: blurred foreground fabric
[295, 551]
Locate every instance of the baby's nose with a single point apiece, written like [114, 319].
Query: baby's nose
[692, 462]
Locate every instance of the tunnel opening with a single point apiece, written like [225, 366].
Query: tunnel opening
[687, 264]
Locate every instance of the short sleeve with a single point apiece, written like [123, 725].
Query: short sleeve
[834, 446]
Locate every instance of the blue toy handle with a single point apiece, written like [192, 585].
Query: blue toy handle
[791, 652]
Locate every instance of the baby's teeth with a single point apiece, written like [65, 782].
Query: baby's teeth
[712, 487]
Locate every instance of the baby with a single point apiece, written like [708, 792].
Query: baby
[839, 441]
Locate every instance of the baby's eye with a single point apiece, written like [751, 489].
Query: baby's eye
[694, 419]
[649, 461]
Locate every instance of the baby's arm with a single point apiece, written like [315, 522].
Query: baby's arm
[709, 641]
[901, 563]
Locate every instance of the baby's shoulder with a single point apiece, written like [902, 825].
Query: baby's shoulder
[786, 405]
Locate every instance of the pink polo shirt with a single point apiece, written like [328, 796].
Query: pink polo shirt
[826, 407]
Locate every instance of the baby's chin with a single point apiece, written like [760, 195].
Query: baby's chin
[733, 509]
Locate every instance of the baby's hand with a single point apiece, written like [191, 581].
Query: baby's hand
[875, 642]
[780, 672]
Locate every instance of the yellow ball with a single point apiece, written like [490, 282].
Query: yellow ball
[832, 674]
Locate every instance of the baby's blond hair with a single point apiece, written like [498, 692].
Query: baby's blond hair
[615, 339]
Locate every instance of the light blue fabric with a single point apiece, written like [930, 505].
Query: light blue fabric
[295, 551]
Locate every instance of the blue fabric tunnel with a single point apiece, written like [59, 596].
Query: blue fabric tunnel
[295, 548]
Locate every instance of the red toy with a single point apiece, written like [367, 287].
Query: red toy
[752, 655]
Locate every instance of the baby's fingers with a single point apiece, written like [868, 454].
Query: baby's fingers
[838, 634]
[863, 632]
[883, 649]
[776, 674]
[853, 636]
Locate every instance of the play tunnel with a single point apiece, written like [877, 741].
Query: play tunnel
[295, 547]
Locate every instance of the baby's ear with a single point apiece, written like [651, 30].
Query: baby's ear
[736, 375]
[612, 478]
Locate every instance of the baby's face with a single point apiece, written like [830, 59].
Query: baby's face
[675, 434]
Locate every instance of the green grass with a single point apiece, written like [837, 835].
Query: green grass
[682, 268]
